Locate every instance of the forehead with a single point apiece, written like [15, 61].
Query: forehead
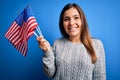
[71, 11]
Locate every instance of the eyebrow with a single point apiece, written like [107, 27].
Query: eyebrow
[76, 15]
[72, 16]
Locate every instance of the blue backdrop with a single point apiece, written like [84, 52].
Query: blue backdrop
[104, 23]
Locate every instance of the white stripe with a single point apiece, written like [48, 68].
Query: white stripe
[25, 49]
[15, 43]
[10, 29]
[30, 18]
[20, 47]
[19, 37]
[31, 25]
[30, 33]
[13, 32]
[16, 40]
[30, 21]
[33, 20]
[13, 36]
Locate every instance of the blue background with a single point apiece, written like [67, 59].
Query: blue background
[103, 18]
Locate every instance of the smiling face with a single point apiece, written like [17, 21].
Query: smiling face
[72, 22]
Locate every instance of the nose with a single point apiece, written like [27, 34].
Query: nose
[72, 21]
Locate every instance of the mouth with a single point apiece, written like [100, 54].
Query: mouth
[72, 28]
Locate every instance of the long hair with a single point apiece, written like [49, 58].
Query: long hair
[85, 35]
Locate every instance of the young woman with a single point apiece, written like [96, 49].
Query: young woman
[75, 56]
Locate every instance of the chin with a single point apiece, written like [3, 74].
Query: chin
[73, 35]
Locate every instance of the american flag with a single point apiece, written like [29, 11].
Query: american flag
[21, 29]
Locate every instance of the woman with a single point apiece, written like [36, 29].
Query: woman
[75, 56]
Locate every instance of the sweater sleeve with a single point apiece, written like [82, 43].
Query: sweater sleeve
[99, 72]
[49, 63]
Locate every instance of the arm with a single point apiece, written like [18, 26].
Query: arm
[48, 58]
[99, 72]
[49, 63]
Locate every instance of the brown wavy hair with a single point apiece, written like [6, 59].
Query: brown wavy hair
[85, 35]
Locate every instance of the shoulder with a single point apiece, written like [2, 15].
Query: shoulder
[97, 43]
[98, 47]
[59, 41]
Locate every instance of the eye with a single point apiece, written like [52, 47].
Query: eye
[76, 18]
[66, 19]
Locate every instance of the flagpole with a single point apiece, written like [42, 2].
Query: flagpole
[39, 31]
[35, 34]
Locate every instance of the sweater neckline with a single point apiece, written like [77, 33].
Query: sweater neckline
[71, 43]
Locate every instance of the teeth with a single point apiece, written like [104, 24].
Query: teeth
[72, 28]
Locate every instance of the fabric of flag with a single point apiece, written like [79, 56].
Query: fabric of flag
[21, 29]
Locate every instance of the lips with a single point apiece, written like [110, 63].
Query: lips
[72, 28]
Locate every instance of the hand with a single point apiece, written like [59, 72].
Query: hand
[43, 44]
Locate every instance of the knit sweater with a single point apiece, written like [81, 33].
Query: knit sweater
[71, 61]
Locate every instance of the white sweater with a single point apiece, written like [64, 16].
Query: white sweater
[71, 61]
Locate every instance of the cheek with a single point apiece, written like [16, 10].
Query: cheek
[65, 25]
[79, 23]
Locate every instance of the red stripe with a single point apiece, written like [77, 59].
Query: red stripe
[22, 48]
[10, 29]
[30, 18]
[32, 24]
[20, 36]
[31, 27]
[13, 32]
[31, 30]
[14, 27]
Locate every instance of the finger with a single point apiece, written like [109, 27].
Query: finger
[39, 38]
[42, 41]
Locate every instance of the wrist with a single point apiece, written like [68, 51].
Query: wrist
[48, 49]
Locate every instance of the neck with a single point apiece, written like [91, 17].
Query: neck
[75, 39]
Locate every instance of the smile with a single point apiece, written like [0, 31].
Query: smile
[72, 28]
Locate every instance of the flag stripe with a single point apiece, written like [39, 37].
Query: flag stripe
[10, 29]
[22, 48]
[16, 39]
[29, 33]
[19, 37]
[13, 29]
[16, 34]
[13, 32]
[31, 23]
